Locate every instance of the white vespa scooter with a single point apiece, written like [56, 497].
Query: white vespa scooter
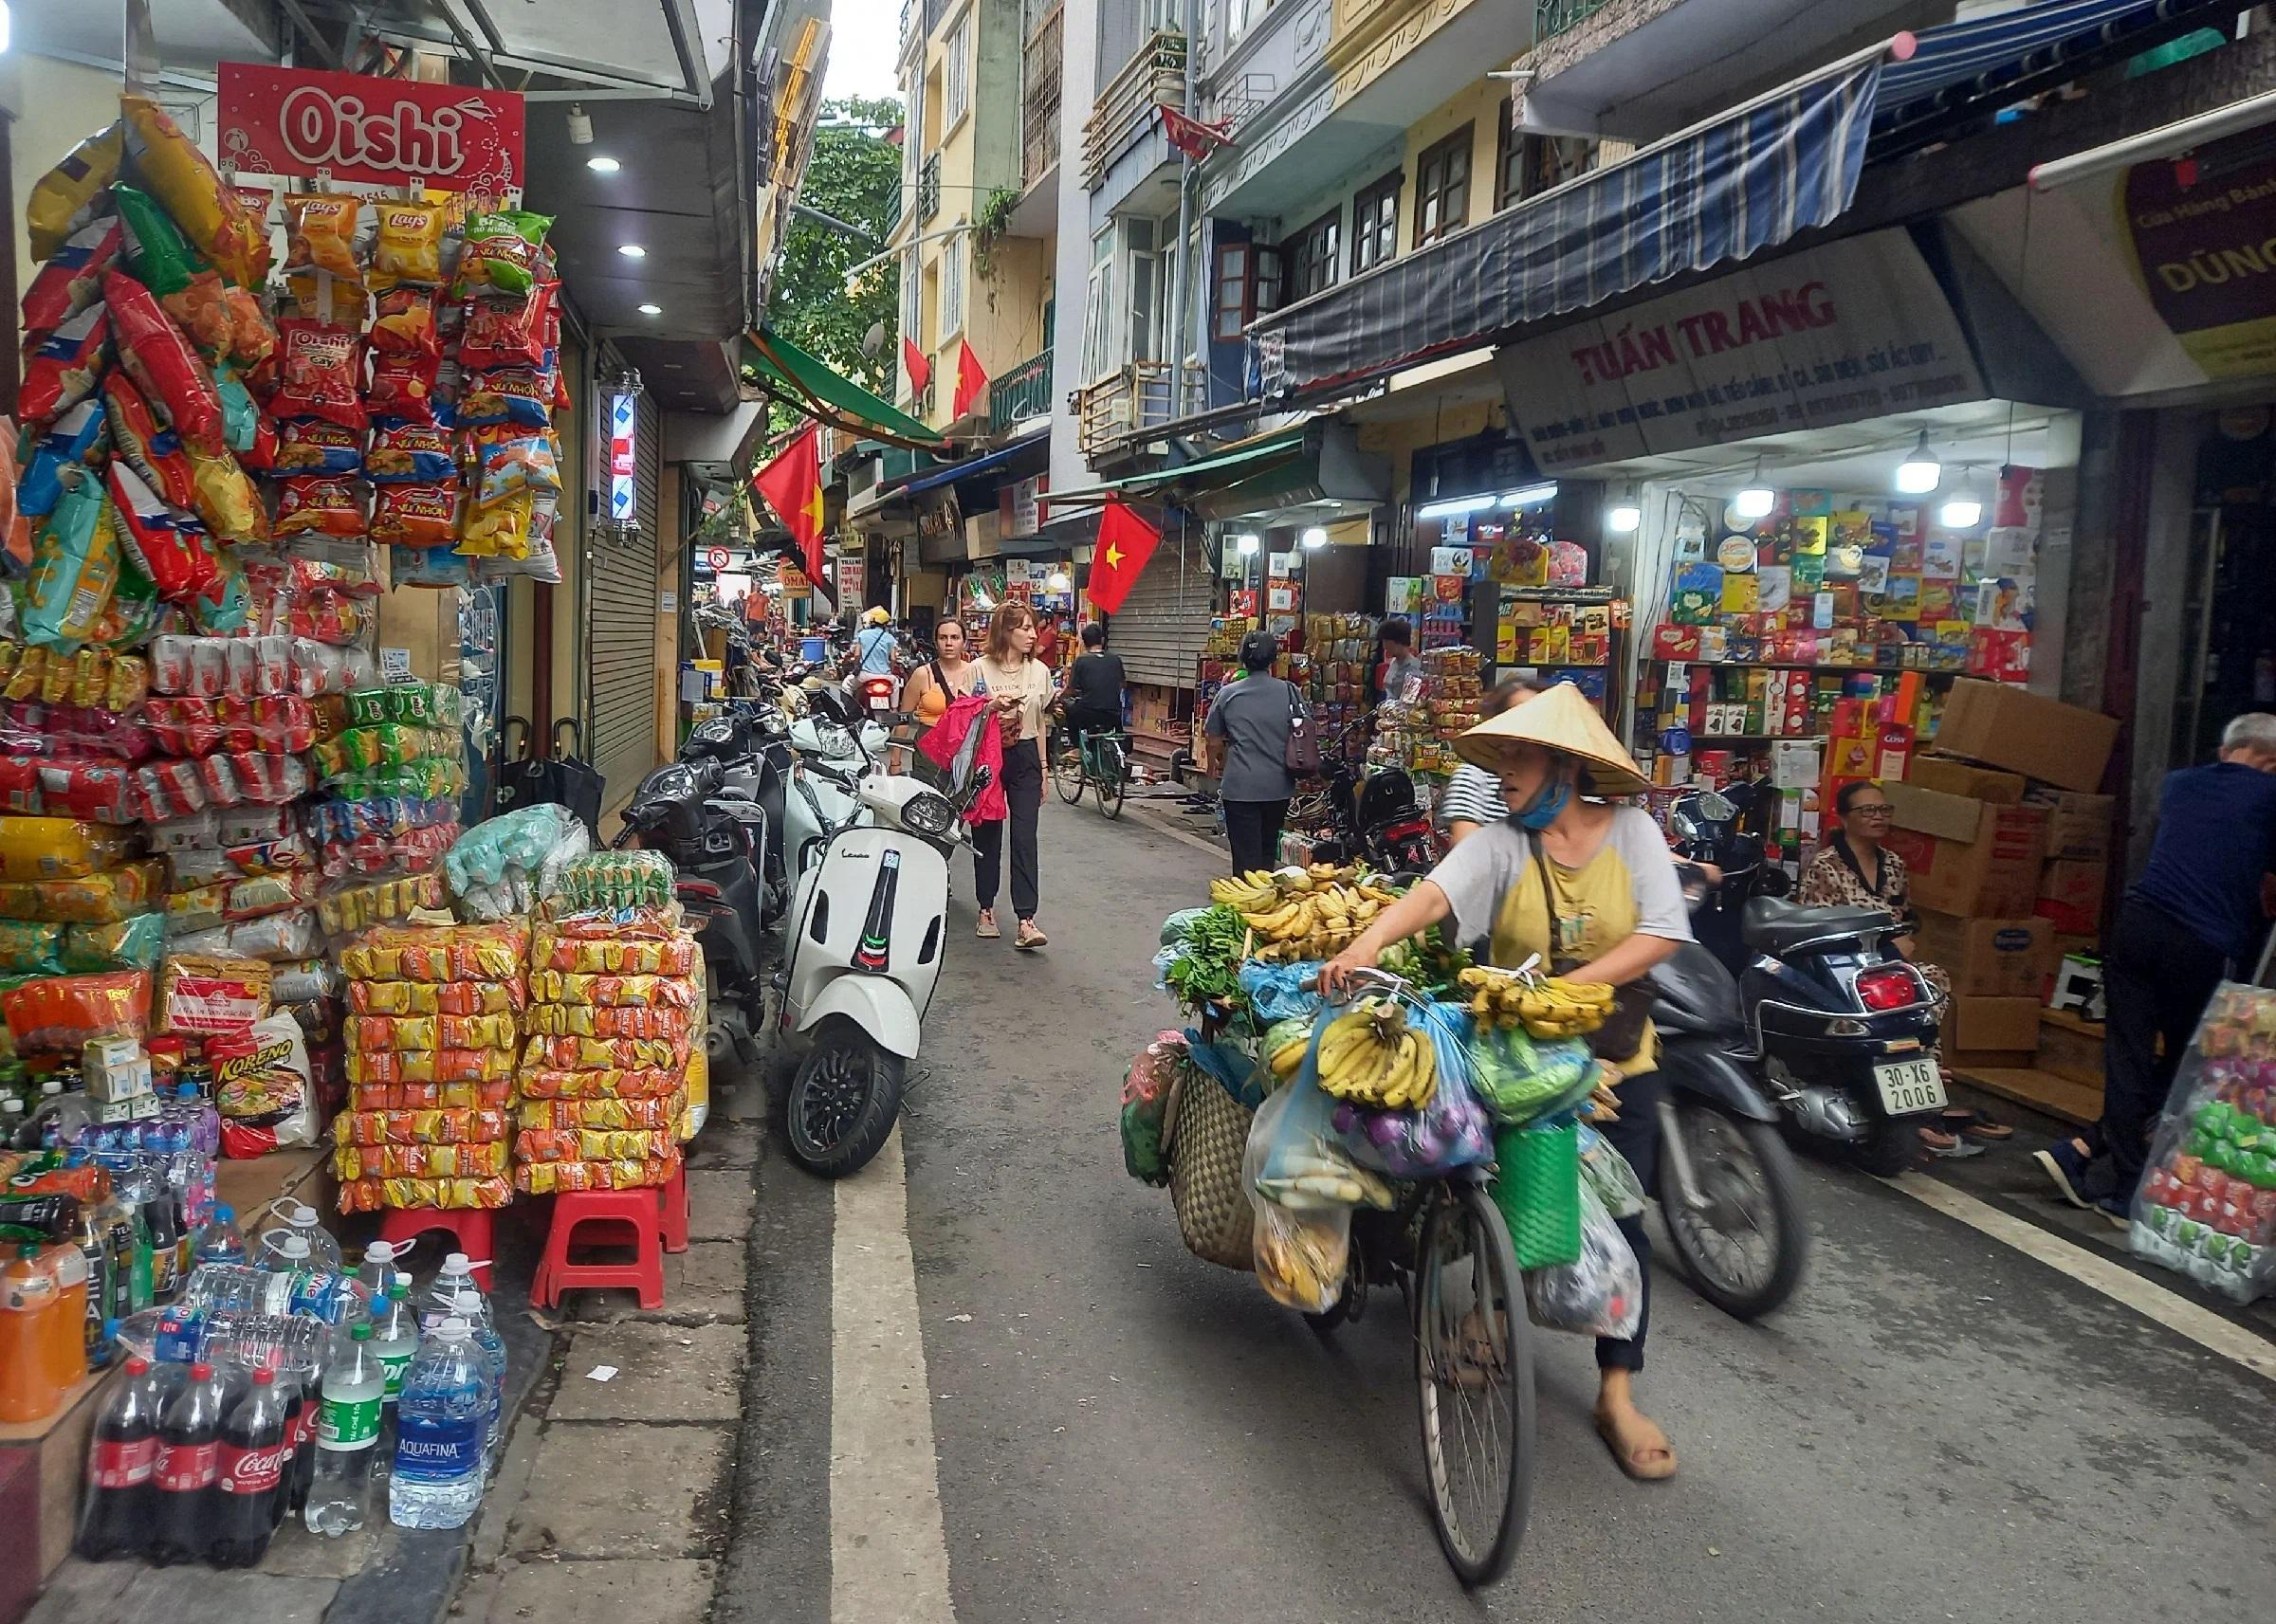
[862, 939]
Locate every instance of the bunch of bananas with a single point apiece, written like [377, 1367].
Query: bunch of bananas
[1547, 1006]
[1371, 1057]
[1263, 889]
[1289, 1055]
[1316, 924]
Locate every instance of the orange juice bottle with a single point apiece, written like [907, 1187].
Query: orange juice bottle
[68, 1321]
[29, 1388]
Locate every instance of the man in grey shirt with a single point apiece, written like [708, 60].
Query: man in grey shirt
[1251, 721]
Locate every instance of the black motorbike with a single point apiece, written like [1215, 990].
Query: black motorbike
[1845, 1029]
[1374, 817]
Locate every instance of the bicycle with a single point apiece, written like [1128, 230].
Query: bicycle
[1447, 1247]
[1101, 762]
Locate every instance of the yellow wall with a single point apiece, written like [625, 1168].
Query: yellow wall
[1426, 425]
[1483, 107]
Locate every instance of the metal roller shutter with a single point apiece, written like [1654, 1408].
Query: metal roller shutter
[1162, 626]
[620, 739]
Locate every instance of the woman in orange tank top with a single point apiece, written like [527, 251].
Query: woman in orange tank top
[927, 691]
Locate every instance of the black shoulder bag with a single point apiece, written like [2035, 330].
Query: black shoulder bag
[1302, 753]
[1621, 1034]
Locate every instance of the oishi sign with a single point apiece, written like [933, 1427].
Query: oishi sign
[381, 132]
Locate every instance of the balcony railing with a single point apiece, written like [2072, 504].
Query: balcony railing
[1022, 393]
[1555, 16]
[1156, 74]
[928, 189]
[1139, 398]
[1039, 100]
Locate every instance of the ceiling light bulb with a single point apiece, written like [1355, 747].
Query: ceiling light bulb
[603, 166]
[580, 126]
[1316, 537]
[1623, 517]
[1757, 500]
[651, 310]
[1059, 582]
[1961, 512]
[1246, 543]
[632, 250]
[1920, 473]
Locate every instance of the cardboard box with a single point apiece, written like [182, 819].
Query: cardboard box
[2070, 894]
[1976, 1028]
[1989, 958]
[1952, 778]
[2003, 727]
[2078, 826]
[1966, 857]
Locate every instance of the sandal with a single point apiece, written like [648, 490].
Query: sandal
[1477, 1362]
[1983, 1127]
[1629, 1456]
[1938, 1142]
[986, 929]
[1030, 935]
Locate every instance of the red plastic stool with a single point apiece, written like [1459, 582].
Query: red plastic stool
[634, 1211]
[470, 1227]
[673, 1197]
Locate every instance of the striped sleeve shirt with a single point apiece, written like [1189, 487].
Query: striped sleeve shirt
[1473, 795]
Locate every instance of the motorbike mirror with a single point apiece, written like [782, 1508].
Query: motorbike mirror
[1713, 808]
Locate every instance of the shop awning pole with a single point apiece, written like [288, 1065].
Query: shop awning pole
[2166, 141]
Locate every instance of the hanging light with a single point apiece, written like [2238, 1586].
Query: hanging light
[1454, 507]
[1623, 516]
[1315, 537]
[1059, 581]
[1920, 473]
[1245, 541]
[1757, 500]
[1963, 509]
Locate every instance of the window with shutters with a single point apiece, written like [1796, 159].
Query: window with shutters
[1310, 260]
[952, 286]
[958, 70]
[1442, 188]
[1375, 223]
[1098, 313]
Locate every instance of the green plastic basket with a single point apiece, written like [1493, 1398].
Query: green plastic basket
[1537, 1186]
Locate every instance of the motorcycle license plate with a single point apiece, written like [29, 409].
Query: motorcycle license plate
[1908, 1086]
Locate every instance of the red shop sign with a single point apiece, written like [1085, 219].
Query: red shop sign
[382, 132]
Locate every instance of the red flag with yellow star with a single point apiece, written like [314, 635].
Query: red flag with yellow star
[1126, 542]
[791, 485]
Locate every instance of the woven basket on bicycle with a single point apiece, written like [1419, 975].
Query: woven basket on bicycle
[1208, 1133]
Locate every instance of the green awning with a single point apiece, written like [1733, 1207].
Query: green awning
[1282, 444]
[812, 386]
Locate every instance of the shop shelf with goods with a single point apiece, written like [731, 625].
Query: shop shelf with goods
[1341, 650]
[1575, 635]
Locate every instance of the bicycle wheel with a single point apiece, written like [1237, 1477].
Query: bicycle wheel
[1067, 769]
[1474, 1369]
[1113, 775]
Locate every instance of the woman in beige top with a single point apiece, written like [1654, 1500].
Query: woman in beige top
[1019, 686]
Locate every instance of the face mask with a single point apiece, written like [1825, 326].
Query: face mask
[1547, 805]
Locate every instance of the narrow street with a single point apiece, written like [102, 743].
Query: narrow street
[1940, 1426]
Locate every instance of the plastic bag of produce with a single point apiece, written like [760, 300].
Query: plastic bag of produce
[1148, 1095]
[1520, 1078]
[1301, 1257]
[1295, 1159]
[1606, 1172]
[1602, 1295]
[1278, 992]
[1452, 1130]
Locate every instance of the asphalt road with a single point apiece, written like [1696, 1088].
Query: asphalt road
[1938, 1427]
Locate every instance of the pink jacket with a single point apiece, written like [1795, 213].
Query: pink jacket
[967, 738]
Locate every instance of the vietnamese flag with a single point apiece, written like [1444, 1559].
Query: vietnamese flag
[970, 380]
[791, 485]
[920, 369]
[1126, 542]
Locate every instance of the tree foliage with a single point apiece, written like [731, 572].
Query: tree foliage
[853, 175]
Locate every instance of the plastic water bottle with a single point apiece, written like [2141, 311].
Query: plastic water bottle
[223, 1336]
[221, 1240]
[484, 1333]
[299, 1219]
[437, 1477]
[377, 1271]
[347, 1438]
[441, 1302]
[395, 1334]
[321, 1293]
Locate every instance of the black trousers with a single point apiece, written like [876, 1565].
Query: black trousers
[2157, 977]
[1023, 789]
[1252, 830]
[1636, 1135]
[1082, 719]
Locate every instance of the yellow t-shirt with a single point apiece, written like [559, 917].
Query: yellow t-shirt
[1031, 680]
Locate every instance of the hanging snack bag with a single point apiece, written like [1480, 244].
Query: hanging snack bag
[132, 613]
[403, 387]
[321, 234]
[499, 530]
[60, 196]
[506, 333]
[242, 423]
[405, 324]
[262, 1087]
[209, 213]
[319, 372]
[156, 255]
[410, 454]
[130, 944]
[223, 496]
[170, 547]
[311, 446]
[153, 450]
[200, 996]
[65, 367]
[512, 394]
[500, 255]
[68, 1012]
[522, 463]
[407, 249]
[75, 566]
[77, 440]
[326, 506]
[161, 362]
[72, 279]
[252, 336]
[415, 515]
[438, 567]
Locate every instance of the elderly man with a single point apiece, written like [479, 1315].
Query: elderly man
[2198, 914]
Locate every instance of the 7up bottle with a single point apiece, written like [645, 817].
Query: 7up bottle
[347, 1437]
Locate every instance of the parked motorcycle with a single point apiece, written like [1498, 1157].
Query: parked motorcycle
[1374, 817]
[1844, 1027]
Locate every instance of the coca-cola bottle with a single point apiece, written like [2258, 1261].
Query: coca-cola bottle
[250, 1486]
[122, 1457]
[189, 1462]
[300, 1409]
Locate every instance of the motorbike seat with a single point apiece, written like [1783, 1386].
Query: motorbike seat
[1773, 926]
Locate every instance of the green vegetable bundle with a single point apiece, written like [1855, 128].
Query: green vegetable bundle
[1207, 970]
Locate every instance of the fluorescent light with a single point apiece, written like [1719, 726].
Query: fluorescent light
[1532, 496]
[632, 250]
[1920, 473]
[1246, 542]
[1315, 537]
[1623, 517]
[1757, 500]
[603, 166]
[1455, 506]
[651, 310]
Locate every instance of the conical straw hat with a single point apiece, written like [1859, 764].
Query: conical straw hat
[1562, 720]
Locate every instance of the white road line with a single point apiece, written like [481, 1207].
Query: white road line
[889, 1554]
[2099, 1273]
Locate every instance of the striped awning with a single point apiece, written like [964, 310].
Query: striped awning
[1718, 192]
